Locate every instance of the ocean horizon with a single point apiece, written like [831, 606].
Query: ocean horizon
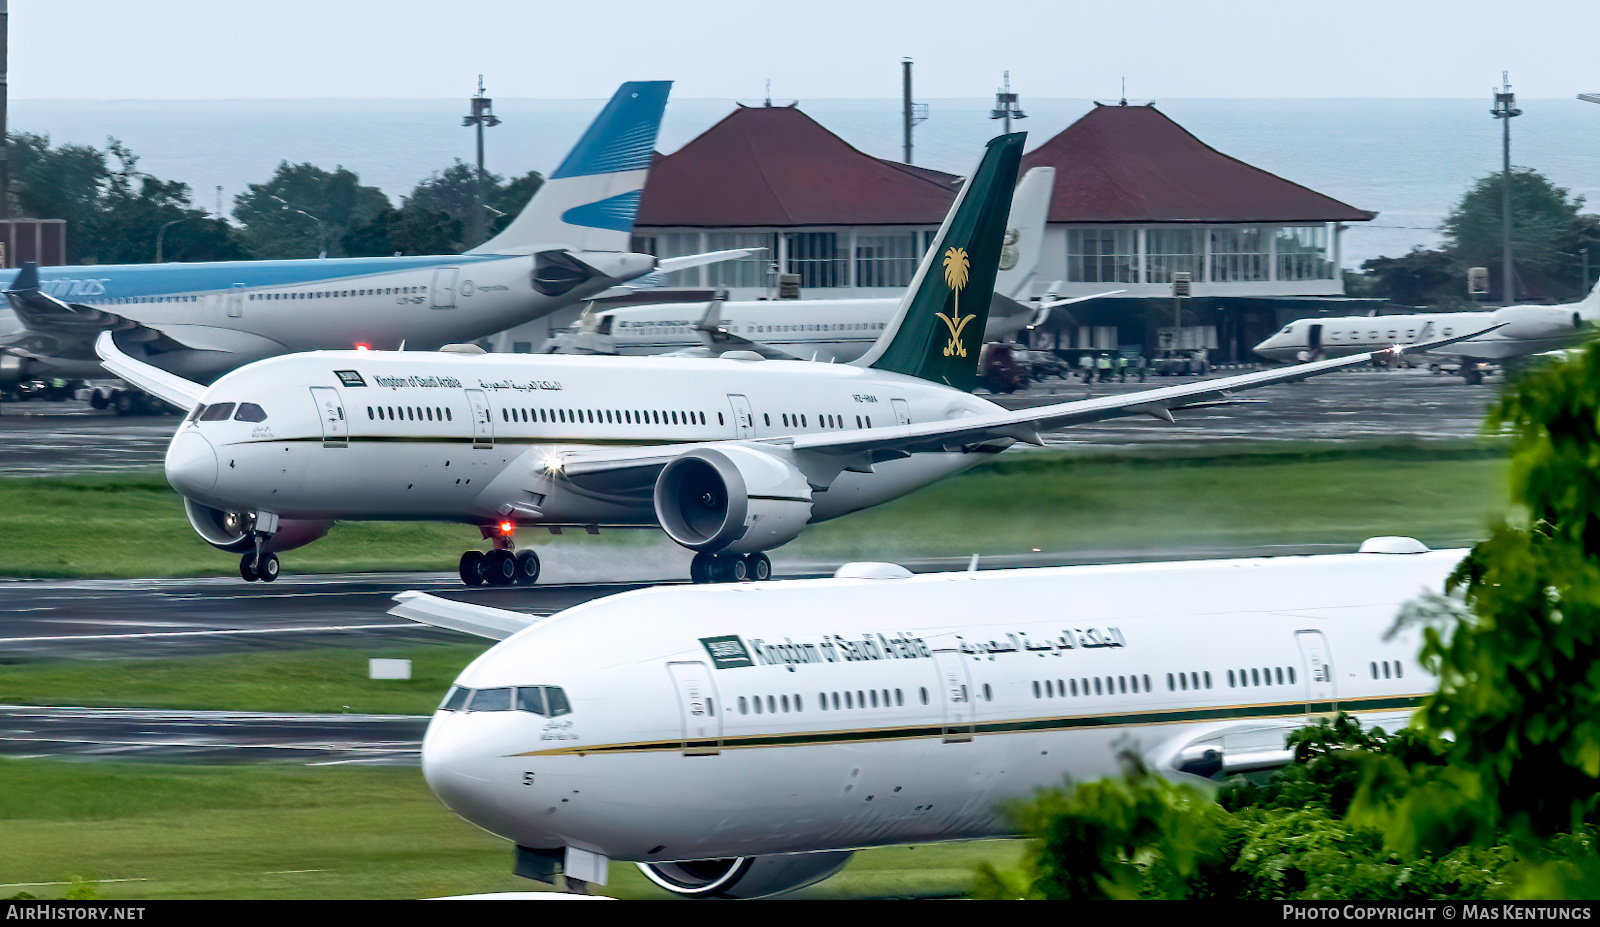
[1408, 159]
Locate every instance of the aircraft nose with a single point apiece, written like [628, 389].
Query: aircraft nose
[191, 464]
[455, 764]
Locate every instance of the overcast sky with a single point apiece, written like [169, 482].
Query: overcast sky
[406, 49]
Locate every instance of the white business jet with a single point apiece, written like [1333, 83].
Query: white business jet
[1518, 331]
[199, 320]
[826, 330]
[731, 457]
[743, 740]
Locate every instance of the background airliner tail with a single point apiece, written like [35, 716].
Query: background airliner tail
[1019, 258]
[937, 332]
[589, 202]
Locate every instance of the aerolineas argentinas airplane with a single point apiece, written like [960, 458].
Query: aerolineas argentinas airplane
[731, 456]
[1519, 331]
[743, 740]
[201, 319]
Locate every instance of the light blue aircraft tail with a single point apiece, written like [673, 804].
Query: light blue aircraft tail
[588, 204]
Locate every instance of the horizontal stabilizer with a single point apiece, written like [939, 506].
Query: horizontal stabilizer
[686, 261]
[478, 620]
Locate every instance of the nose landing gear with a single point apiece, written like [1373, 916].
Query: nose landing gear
[730, 568]
[259, 565]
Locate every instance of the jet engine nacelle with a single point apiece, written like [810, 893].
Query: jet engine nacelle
[734, 499]
[230, 531]
[745, 876]
[1532, 323]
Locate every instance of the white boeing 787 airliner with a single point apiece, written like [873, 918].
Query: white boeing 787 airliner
[730, 456]
[743, 740]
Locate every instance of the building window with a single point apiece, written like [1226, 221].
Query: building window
[886, 260]
[1303, 253]
[1103, 255]
[748, 271]
[1238, 254]
[815, 257]
[1170, 251]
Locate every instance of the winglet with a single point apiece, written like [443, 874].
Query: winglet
[477, 620]
[185, 394]
[27, 278]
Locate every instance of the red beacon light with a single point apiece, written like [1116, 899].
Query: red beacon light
[507, 527]
[363, 346]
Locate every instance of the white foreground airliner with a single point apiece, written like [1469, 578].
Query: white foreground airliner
[731, 456]
[743, 740]
[1518, 331]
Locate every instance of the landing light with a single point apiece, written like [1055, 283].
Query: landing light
[552, 464]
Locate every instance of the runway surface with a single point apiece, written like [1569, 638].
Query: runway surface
[60, 439]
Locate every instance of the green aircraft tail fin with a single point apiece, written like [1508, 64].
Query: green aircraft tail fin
[937, 332]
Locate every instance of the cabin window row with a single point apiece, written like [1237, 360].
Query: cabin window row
[1056, 688]
[1187, 681]
[800, 420]
[1265, 676]
[334, 294]
[409, 414]
[545, 701]
[833, 327]
[1387, 666]
[607, 416]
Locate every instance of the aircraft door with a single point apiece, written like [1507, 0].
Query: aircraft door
[744, 421]
[235, 300]
[955, 695]
[330, 409]
[1314, 338]
[444, 287]
[902, 411]
[1321, 693]
[482, 421]
[697, 708]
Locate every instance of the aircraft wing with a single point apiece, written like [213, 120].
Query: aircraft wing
[185, 394]
[478, 620]
[56, 329]
[824, 455]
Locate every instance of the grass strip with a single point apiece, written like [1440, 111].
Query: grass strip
[122, 526]
[280, 831]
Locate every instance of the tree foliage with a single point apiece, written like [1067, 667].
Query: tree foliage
[1547, 232]
[303, 211]
[115, 213]
[437, 217]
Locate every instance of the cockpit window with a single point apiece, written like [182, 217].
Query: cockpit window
[456, 700]
[218, 412]
[491, 700]
[545, 701]
[250, 412]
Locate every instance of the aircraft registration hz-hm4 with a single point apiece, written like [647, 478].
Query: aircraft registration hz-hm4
[731, 456]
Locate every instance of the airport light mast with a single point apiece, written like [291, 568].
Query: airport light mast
[911, 113]
[483, 117]
[1005, 105]
[1505, 107]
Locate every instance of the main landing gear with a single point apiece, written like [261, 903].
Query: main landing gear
[730, 568]
[502, 566]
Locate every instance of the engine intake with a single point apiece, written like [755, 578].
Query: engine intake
[230, 530]
[732, 498]
[745, 876]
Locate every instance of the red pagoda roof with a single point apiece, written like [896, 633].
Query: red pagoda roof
[1133, 164]
[769, 166]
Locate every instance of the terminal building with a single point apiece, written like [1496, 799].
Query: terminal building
[1138, 200]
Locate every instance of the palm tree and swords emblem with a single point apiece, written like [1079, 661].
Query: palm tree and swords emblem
[956, 266]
